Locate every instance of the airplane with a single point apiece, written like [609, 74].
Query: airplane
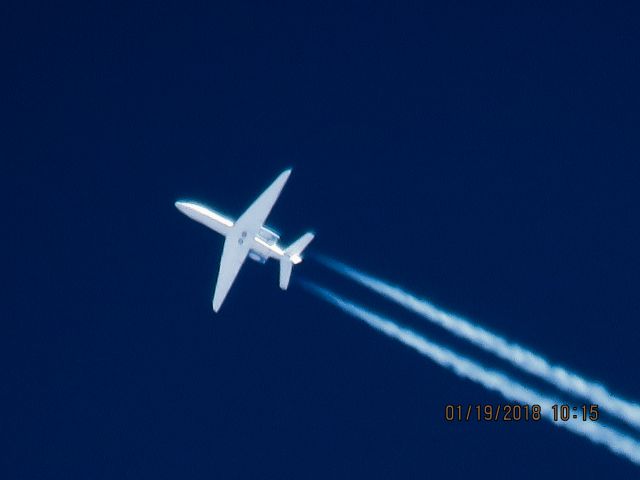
[248, 237]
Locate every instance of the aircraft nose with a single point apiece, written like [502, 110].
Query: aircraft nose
[182, 206]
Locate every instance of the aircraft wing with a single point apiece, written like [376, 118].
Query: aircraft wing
[233, 256]
[253, 218]
[237, 242]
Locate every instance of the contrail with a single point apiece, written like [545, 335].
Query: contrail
[616, 441]
[521, 357]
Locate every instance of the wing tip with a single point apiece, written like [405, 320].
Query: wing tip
[286, 173]
[216, 308]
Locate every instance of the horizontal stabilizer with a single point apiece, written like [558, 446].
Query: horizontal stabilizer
[285, 272]
[292, 257]
[295, 249]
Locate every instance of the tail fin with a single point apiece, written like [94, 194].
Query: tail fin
[292, 257]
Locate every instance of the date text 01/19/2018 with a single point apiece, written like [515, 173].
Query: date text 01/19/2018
[518, 413]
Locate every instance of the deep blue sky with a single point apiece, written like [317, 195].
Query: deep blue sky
[485, 157]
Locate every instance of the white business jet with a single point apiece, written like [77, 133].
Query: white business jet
[248, 236]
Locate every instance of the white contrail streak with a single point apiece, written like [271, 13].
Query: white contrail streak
[521, 357]
[616, 441]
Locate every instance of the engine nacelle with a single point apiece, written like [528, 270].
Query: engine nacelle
[253, 255]
[268, 236]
